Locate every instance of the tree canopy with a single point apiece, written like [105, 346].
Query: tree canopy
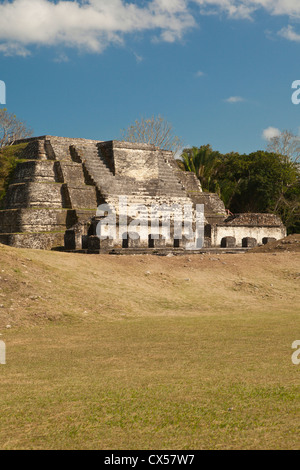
[262, 181]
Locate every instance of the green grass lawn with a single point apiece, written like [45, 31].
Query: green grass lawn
[150, 353]
[211, 382]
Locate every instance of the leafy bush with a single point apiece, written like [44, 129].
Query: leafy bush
[9, 157]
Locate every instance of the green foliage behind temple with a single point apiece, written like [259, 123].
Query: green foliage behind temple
[259, 182]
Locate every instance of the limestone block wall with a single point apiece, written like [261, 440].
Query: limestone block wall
[37, 171]
[81, 197]
[35, 149]
[239, 233]
[137, 162]
[35, 194]
[35, 220]
[34, 241]
[256, 226]
[214, 207]
[48, 195]
[71, 172]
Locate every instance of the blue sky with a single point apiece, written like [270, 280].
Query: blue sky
[219, 70]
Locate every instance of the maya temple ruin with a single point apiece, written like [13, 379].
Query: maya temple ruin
[58, 184]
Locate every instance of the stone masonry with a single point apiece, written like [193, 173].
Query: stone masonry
[56, 189]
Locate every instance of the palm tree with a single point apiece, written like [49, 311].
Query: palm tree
[204, 162]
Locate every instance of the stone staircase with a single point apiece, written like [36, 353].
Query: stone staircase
[166, 187]
[98, 170]
[170, 183]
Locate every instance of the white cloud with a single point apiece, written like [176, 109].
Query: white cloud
[290, 34]
[138, 57]
[234, 99]
[238, 9]
[246, 8]
[200, 74]
[270, 133]
[92, 25]
[61, 58]
[13, 49]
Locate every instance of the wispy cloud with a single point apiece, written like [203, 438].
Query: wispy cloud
[234, 99]
[138, 57]
[289, 33]
[9, 49]
[270, 132]
[244, 9]
[236, 9]
[61, 58]
[200, 74]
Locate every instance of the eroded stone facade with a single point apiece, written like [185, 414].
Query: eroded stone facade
[53, 198]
